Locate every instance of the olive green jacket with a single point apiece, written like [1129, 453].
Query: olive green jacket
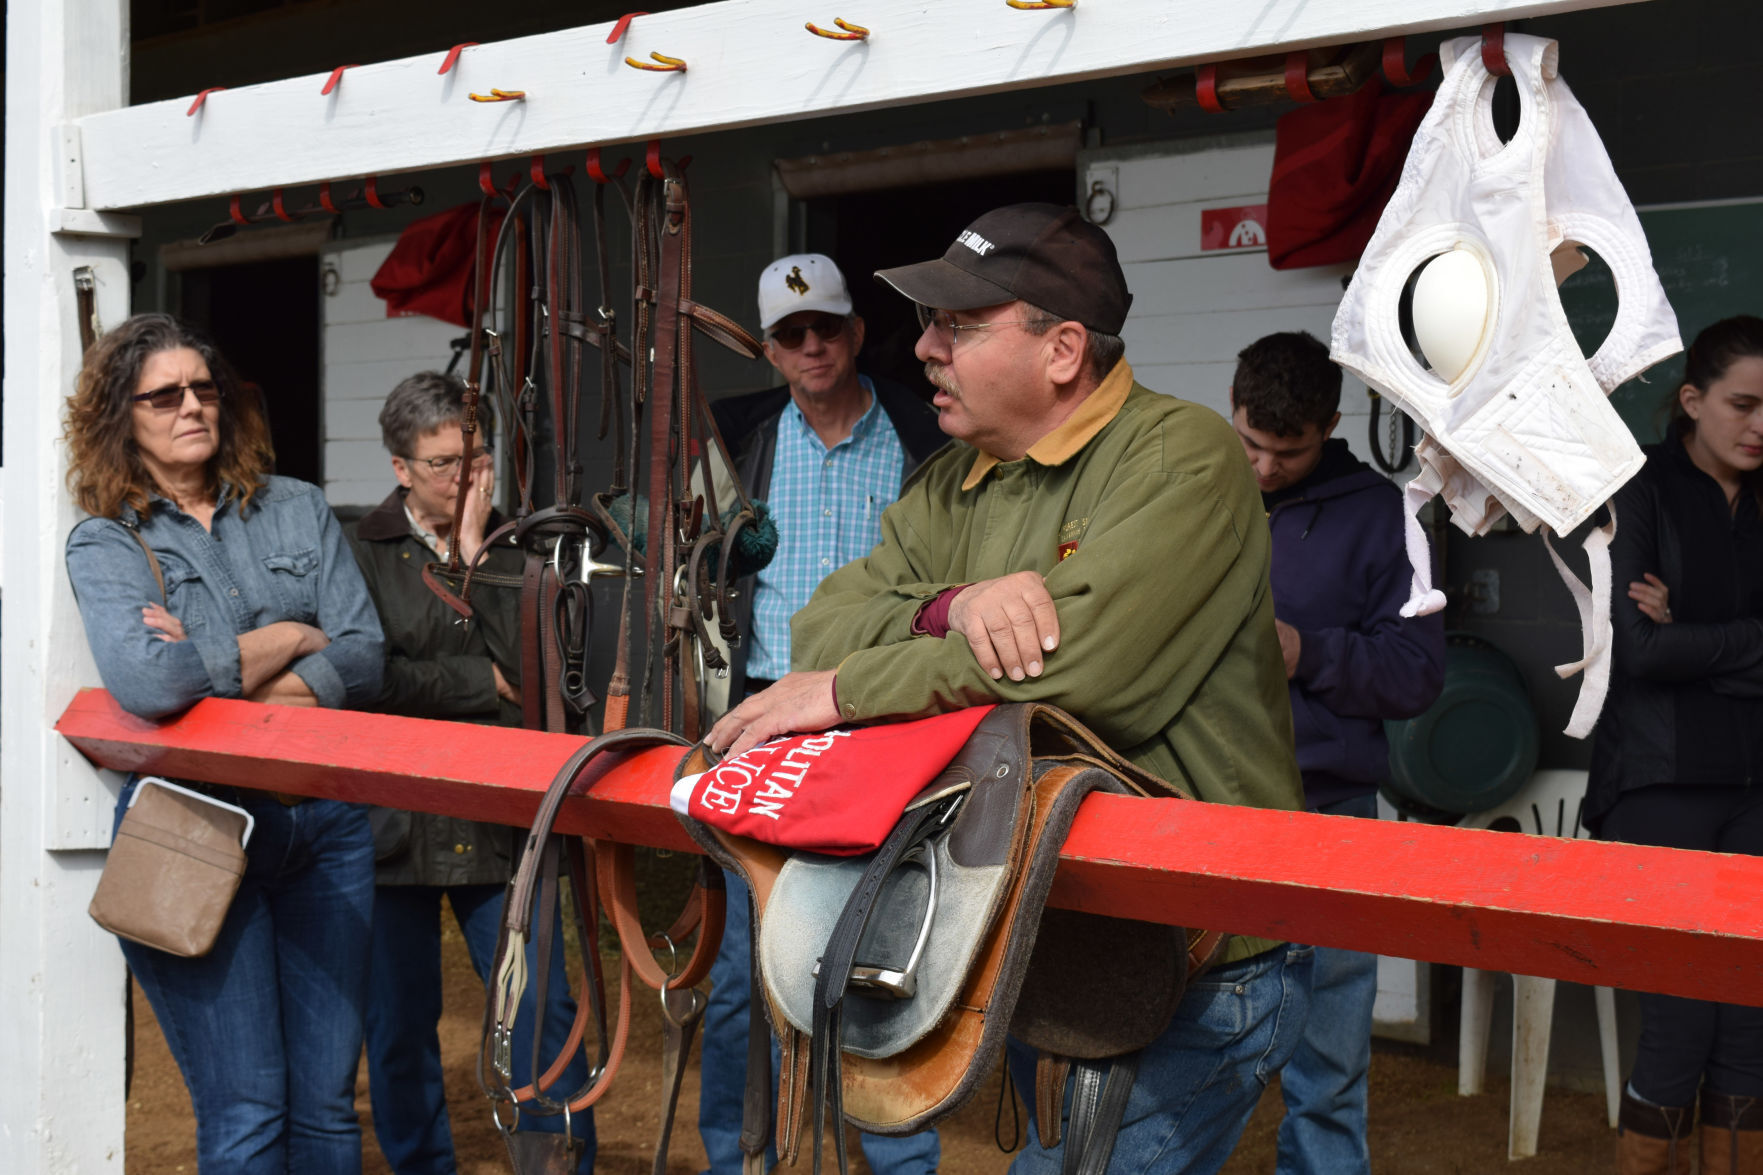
[437, 667]
[1145, 520]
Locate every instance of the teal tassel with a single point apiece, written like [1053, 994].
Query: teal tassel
[756, 544]
[754, 547]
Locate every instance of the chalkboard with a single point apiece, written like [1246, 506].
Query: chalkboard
[1710, 259]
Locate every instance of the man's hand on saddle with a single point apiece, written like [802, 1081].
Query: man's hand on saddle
[797, 704]
[1010, 624]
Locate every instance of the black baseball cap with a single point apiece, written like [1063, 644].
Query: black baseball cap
[1044, 254]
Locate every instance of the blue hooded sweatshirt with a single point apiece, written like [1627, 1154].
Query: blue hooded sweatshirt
[1340, 577]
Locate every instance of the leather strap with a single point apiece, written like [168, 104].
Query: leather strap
[152, 561]
[1098, 1104]
[756, 1102]
[1050, 1074]
[682, 1009]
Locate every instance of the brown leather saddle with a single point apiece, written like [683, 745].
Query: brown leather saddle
[892, 979]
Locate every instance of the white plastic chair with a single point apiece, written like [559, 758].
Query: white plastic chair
[1550, 804]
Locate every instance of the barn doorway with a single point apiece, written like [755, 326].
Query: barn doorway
[867, 231]
[264, 317]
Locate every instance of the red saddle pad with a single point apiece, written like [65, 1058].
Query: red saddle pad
[839, 791]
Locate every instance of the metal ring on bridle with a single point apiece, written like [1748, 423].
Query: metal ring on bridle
[496, 1101]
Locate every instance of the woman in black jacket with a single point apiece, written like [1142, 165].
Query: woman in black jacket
[1680, 746]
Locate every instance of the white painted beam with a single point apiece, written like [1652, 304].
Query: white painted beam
[61, 977]
[749, 62]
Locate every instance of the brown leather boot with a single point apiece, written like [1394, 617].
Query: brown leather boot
[1732, 1134]
[1653, 1140]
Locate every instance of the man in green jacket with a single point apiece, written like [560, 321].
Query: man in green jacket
[1098, 546]
[437, 667]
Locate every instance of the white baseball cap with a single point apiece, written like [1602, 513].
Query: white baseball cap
[801, 281]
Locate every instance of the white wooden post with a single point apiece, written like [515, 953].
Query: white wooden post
[61, 978]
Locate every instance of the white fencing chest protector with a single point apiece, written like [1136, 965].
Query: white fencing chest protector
[1524, 427]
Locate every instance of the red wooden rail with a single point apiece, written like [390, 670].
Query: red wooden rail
[1616, 915]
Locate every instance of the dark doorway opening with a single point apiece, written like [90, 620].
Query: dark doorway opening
[264, 317]
[867, 231]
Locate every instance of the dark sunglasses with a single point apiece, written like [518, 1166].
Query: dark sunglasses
[171, 397]
[826, 328]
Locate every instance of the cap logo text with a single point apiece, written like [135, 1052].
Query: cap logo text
[796, 281]
[975, 242]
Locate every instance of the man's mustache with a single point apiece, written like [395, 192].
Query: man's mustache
[939, 376]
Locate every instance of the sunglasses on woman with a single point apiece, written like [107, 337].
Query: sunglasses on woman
[826, 328]
[171, 396]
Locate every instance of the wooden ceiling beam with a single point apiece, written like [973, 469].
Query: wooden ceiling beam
[748, 62]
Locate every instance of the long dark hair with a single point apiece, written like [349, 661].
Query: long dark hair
[105, 471]
[1711, 356]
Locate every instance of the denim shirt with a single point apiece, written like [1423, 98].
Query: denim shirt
[285, 560]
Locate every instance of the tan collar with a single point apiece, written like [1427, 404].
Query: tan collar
[1079, 429]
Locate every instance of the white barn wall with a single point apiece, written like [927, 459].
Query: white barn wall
[365, 355]
[1192, 310]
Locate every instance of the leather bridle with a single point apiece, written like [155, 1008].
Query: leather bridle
[677, 541]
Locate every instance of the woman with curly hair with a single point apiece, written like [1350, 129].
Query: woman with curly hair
[261, 599]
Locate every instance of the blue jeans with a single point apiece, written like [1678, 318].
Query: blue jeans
[1199, 1082]
[266, 1028]
[723, 1068]
[404, 1005]
[1323, 1132]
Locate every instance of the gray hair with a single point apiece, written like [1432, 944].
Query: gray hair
[1101, 351]
[423, 403]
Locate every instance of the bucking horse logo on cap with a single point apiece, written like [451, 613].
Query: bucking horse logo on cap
[796, 281]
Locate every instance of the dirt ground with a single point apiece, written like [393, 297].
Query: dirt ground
[1418, 1123]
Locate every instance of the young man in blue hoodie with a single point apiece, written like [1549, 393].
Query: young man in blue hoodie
[1340, 576]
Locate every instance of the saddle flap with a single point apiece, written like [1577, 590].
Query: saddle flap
[931, 916]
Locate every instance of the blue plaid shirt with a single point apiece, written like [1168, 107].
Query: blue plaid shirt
[828, 505]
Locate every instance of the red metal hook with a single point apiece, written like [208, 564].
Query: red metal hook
[336, 76]
[1298, 76]
[654, 159]
[281, 211]
[598, 173]
[536, 169]
[618, 30]
[324, 199]
[1395, 63]
[666, 64]
[452, 57]
[853, 32]
[1206, 89]
[201, 97]
[372, 191]
[1493, 50]
[236, 213]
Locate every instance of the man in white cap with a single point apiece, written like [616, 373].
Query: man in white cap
[826, 451]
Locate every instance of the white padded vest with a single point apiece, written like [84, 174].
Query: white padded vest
[1525, 429]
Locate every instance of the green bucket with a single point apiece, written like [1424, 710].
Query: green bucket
[1476, 745]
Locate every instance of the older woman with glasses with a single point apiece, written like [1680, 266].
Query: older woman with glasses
[439, 668]
[260, 600]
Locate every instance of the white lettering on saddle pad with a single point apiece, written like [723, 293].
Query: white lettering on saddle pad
[761, 779]
[975, 242]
